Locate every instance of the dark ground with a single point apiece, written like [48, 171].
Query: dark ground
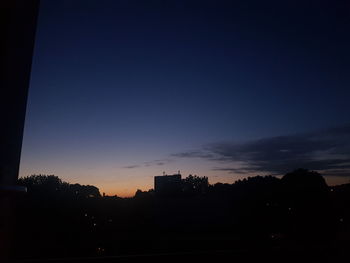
[263, 218]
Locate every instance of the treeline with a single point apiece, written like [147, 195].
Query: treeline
[301, 180]
[58, 219]
[52, 185]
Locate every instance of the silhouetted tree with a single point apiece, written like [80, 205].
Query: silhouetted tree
[144, 194]
[195, 184]
[305, 180]
[305, 198]
[44, 184]
[52, 185]
[84, 190]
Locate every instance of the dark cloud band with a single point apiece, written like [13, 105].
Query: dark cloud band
[326, 150]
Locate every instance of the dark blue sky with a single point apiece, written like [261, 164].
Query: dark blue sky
[121, 90]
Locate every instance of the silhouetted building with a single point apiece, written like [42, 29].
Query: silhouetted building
[168, 184]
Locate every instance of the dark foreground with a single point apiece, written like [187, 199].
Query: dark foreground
[255, 255]
[294, 219]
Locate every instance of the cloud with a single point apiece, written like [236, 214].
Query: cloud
[131, 166]
[327, 151]
[159, 162]
[199, 154]
[231, 170]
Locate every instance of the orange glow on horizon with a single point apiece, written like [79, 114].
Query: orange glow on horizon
[114, 180]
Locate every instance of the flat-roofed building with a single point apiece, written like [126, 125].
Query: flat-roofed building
[168, 184]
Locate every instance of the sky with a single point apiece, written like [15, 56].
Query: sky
[123, 90]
